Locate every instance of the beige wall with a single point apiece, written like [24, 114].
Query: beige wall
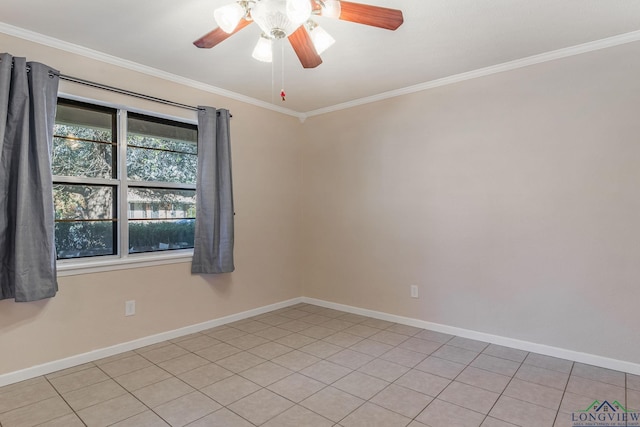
[512, 200]
[88, 312]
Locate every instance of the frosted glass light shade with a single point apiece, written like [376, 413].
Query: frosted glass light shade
[331, 9]
[321, 39]
[298, 10]
[227, 17]
[263, 50]
[273, 18]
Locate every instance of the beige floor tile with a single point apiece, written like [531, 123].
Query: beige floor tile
[361, 385]
[572, 402]
[402, 400]
[148, 348]
[542, 376]
[93, 394]
[354, 318]
[371, 347]
[142, 378]
[492, 422]
[332, 403]
[350, 358]
[186, 337]
[534, 393]
[388, 337]
[633, 382]
[260, 406]
[456, 354]
[423, 382]
[441, 367]
[317, 332]
[26, 395]
[273, 333]
[297, 416]
[521, 413]
[69, 420]
[484, 379]
[71, 370]
[439, 337]
[468, 344]
[383, 369]
[378, 323]
[205, 375]
[548, 362]
[218, 351]
[186, 409]
[295, 326]
[270, 350]
[248, 341]
[425, 347]
[78, 380]
[294, 314]
[230, 389]
[162, 354]
[266, 373]
[119, 356]
[26, 383]
[162, 392]
[226, 333]
[240, 362]
[274, 319]
[443, 414]
[296, 387]
[125, 365]
[596, 389]
[343, 339]
[404, 329]
[111, 411]
[337, 324]
[198, 342]
[315, 319]
[506, 353]
[321, 349]
[595, 373]
[296, 360]
[143, 419]
[633, 400]
[469, 397]
[36, 413]
[325, 371]
[182, 364]
[252, 326]
[295, 340]
[362, 330]
[370, 415]
[221, 418]
[495, 364]
[404, 357]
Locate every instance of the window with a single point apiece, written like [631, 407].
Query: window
[124, 183]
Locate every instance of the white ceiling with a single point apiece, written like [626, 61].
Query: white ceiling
[439, 38]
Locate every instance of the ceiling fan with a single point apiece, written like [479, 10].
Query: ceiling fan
[292, 19]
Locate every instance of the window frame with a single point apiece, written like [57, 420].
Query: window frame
[122, 259]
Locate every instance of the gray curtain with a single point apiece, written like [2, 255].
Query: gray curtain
[28, 93]
[213, 246]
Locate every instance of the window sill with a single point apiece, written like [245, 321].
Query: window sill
[85, 266]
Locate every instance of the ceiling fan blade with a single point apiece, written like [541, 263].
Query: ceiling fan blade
[216, 36]
[375, 16]
[303, 46]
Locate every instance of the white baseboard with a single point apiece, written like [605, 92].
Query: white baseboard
[47, 368]
[576, 356]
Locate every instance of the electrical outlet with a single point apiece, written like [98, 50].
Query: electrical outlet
[129, 308]
[414, 291]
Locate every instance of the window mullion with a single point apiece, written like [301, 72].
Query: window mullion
[123, 188]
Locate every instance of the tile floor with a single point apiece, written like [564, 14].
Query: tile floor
[309, 366]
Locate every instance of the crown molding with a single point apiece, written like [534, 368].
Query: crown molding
[481, 72]
[302, 116]
[134, 66]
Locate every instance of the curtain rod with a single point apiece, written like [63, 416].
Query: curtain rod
[126, 92]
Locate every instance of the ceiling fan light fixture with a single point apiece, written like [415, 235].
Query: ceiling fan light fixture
[264, 50]
[280, 18]
[320, 38]
[331, 9]
[298, 10]
[227, 17]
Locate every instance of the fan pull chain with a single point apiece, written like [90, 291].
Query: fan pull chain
[282, 94]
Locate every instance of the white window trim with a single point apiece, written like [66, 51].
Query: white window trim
[124, 261]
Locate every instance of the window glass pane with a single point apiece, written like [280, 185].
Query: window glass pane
[161, 166]
[85, 220]
[161, 151]
[72, 157]
[82, 144]
[84, 202]
[160, 219]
